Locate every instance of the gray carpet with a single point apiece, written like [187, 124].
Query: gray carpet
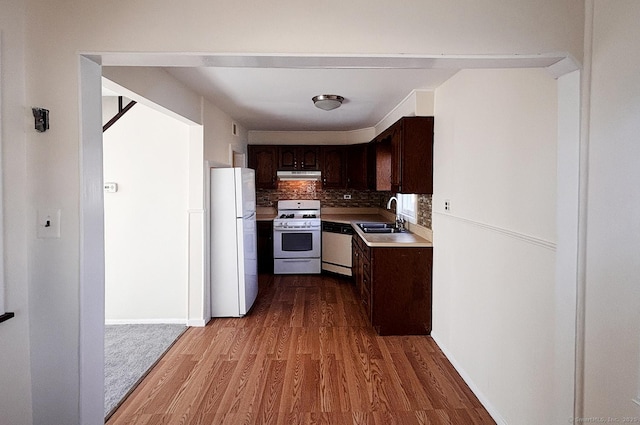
[130, 351]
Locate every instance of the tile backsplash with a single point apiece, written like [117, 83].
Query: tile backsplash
[424, 211]
[335, 198]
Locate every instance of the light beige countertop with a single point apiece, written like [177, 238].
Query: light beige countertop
[393, 240]
[265, 213]
[411, 239]
[358, 218]
[416, 237]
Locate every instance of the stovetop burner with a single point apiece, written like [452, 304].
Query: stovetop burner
[296, 211]
[293, 215]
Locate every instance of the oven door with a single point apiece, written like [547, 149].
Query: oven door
[296, 243]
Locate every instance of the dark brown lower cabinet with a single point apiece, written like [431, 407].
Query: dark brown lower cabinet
[395, 287]
[265, 246]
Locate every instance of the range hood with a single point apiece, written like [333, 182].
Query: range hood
[299, 175]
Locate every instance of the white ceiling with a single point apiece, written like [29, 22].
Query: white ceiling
[273, 99]
[272, 92]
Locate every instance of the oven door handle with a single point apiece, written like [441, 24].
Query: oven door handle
[295, 229]
[295, 260]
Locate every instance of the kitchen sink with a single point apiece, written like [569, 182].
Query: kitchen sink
[380, 228]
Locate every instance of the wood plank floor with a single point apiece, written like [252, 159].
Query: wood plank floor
[304, 355]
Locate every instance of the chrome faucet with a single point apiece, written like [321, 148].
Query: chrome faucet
[399, 218]
[393, 198]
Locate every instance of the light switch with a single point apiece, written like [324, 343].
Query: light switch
[48, 224]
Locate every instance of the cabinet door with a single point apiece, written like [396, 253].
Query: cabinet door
[396, 157]
[356, 270]
[360, 270]
[299, 158]
[379, 165]
[333, 166]
[357, 166]
[401, 290]
[416, 150]
[287, 159]
[309, 158]
[263, 159]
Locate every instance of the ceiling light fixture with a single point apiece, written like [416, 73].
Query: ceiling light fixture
[327, 101]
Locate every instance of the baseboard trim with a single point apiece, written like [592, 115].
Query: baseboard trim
[467, 379]
[510, 233]
[197, 323]
[146, 322]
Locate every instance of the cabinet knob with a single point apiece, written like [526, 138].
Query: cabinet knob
[302, 164]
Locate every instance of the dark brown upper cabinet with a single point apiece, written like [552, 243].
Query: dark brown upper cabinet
[400, 160]
[379, 163]
[298, 157]
[357, 166]
[263, 159]
[334, 165]
[411, 155]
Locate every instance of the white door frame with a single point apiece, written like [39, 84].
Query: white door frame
[91, 345]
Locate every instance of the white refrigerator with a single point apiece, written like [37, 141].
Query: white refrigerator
[234, 258]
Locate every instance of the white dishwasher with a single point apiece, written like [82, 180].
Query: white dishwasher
[336, 247]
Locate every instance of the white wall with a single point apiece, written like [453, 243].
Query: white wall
[218, 139]
[494, 252]
[612, 351]
[161, 91]
[56, 33]
[158, 87]
[15, 374]
[146, 221]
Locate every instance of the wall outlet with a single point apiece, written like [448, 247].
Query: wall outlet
[111, 187]
[347, 197]
[447, 205]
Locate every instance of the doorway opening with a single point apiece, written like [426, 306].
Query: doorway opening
[92, 253]
[145, 165]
